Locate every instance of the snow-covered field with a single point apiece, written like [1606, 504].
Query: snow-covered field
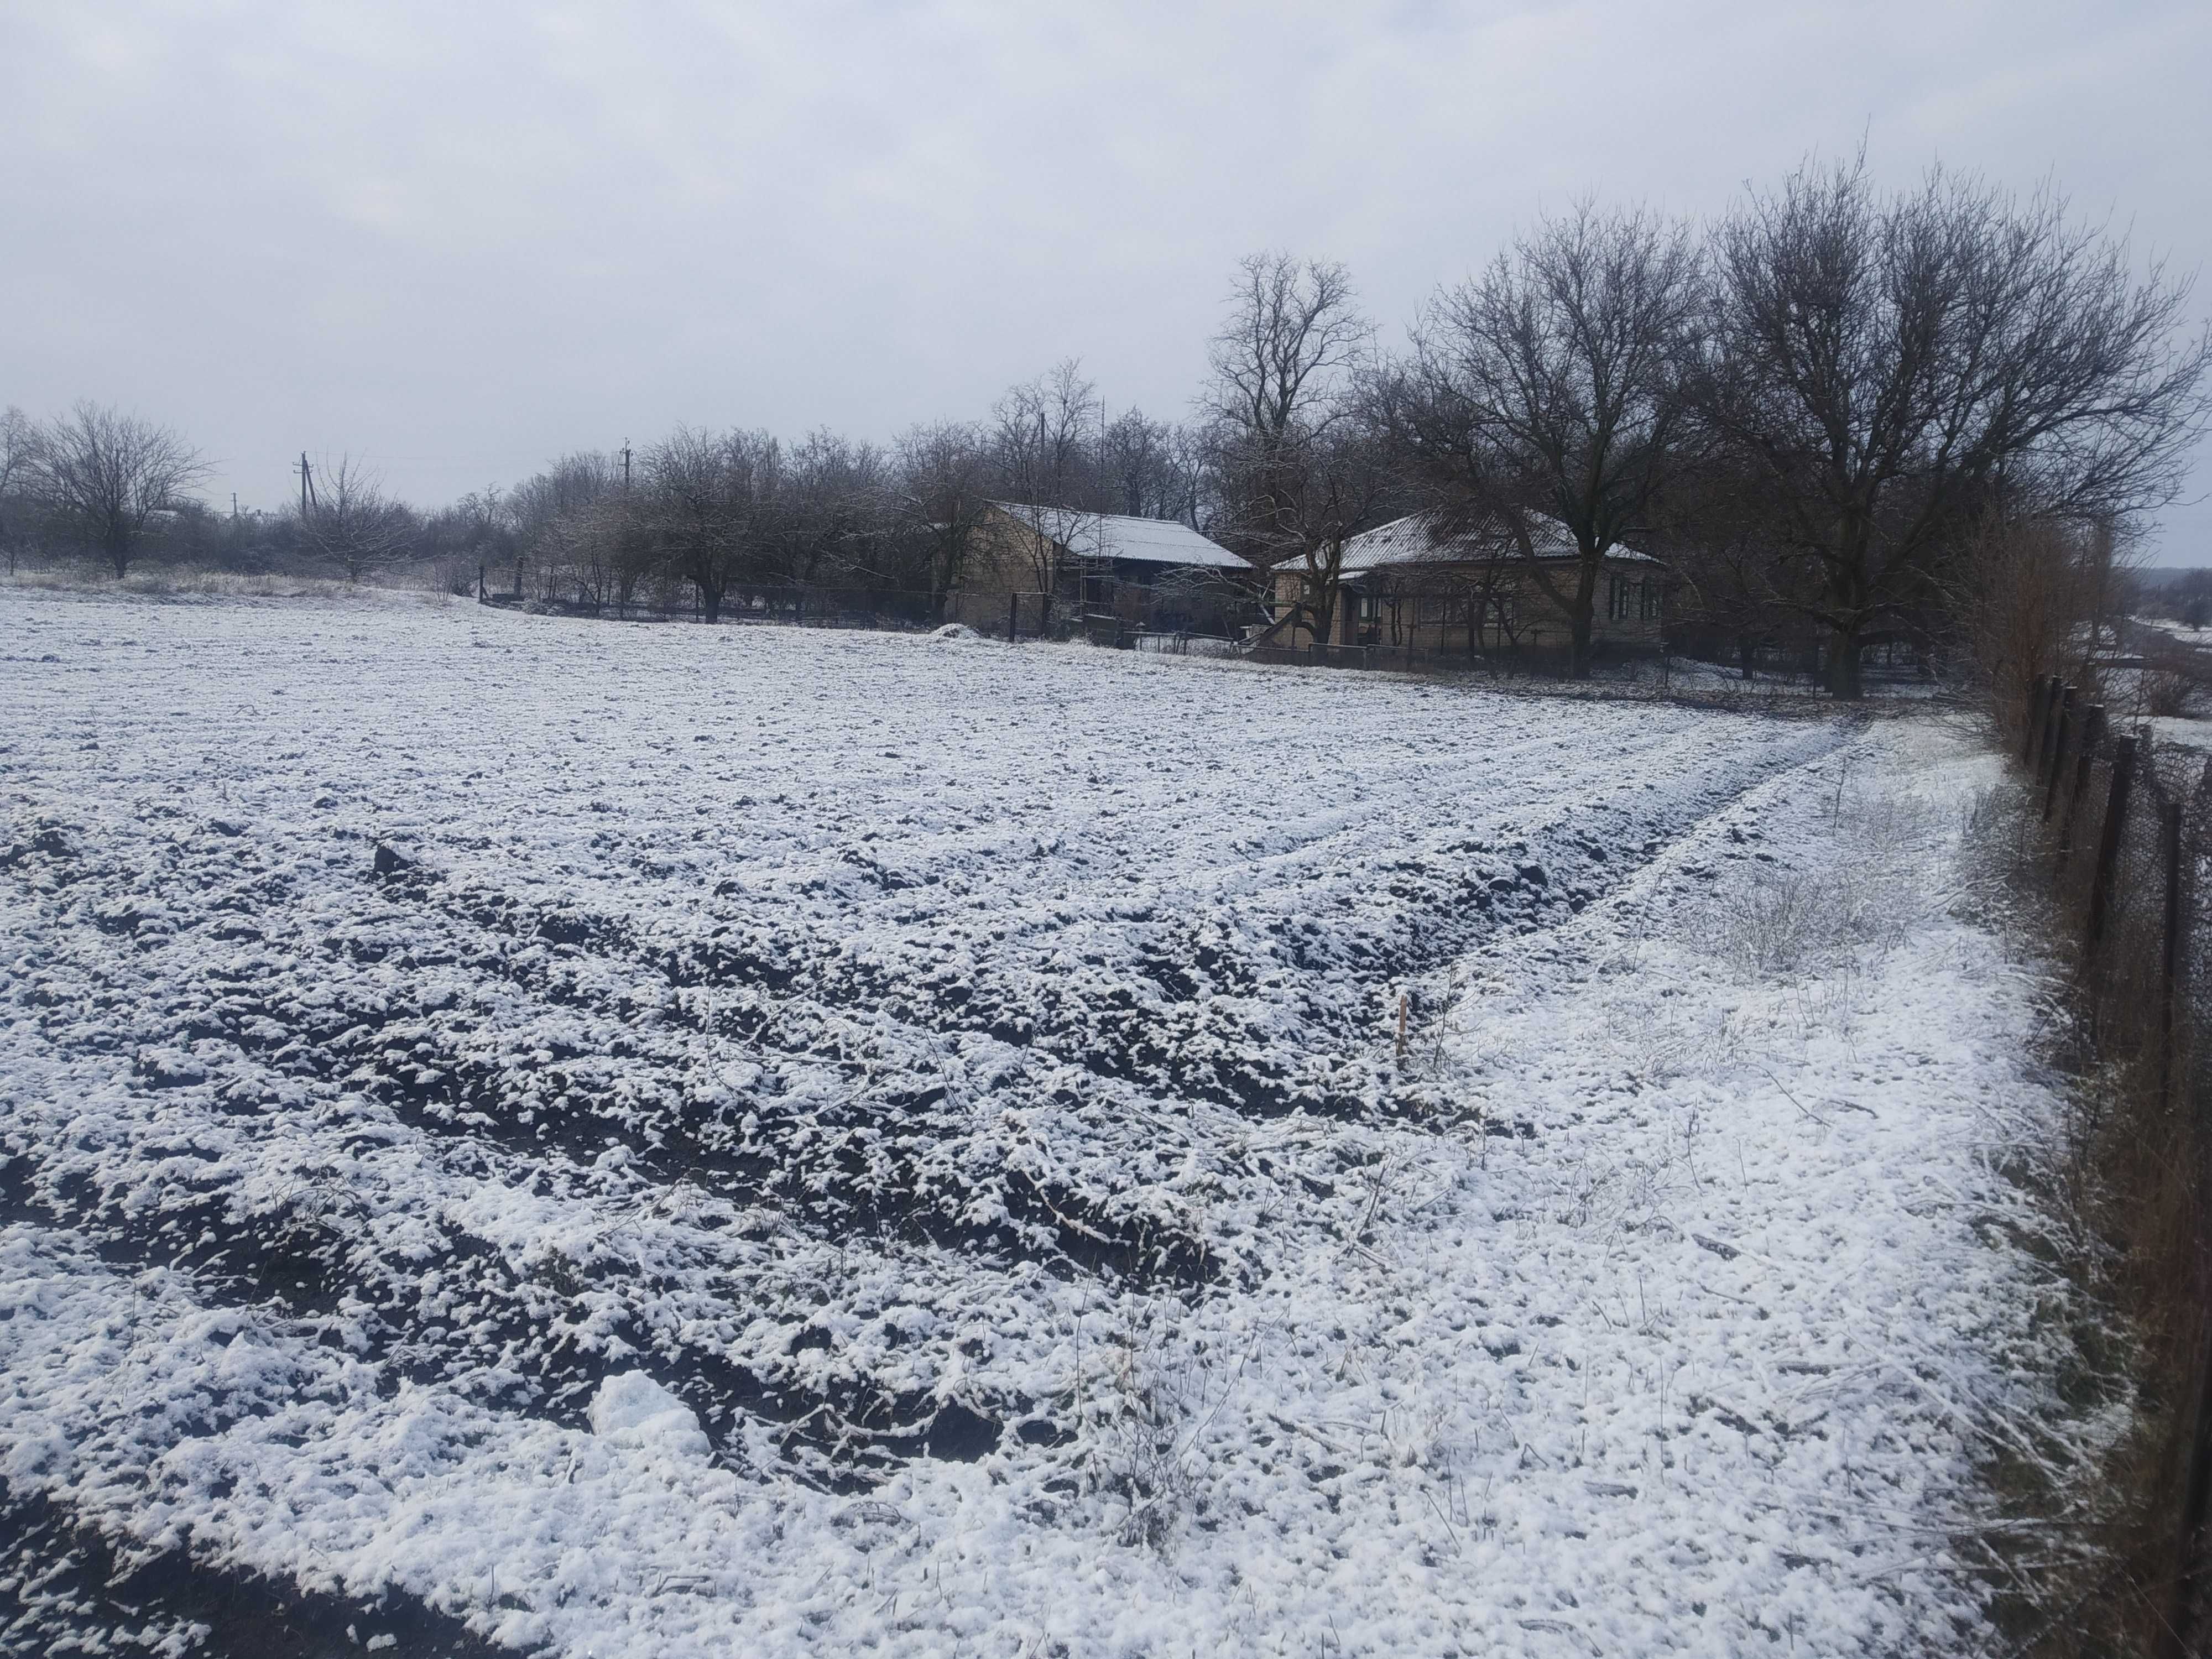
[641, 1140]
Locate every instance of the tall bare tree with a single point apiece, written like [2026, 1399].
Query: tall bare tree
[16, 439]
[715, 500]
[840, 508]
[1894, 367]
[475, 535]
[350, 525]
[945, 482]
[107, 475]
[1047, 435]
[1151, 469]
[1297, 467]
[1551, 385]
[1294, 337]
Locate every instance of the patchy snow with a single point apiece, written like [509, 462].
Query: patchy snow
[2177, 731]
[2200, 638]
[668, 1139]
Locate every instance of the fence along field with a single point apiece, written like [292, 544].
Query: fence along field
[2125, 829]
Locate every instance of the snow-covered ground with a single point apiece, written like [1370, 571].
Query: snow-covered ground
[2199, 638]
[2177, 731]
[677, 1140]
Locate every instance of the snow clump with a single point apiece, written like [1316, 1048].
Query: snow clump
[632, 1409]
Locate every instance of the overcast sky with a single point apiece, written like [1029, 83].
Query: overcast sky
[459, 239]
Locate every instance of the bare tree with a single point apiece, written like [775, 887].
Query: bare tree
[475, 532]
[2025, 585]
[2188, 600]
[1299, 468]
[1298, 503]
[1150, 469]
[570, 485]
[1047, 434]
[1734, 591]
[17, 436]
[349, 524]
[1551, 385]
[944, 488]
[715, 499]
[558, 524]
[1896, 369]
[1294, 335]
[838, 521]
[108, 474]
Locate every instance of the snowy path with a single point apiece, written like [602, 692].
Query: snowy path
[962, 1076]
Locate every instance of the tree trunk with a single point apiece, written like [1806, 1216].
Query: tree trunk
[710, 603]
[1578, 637]
[1581, 620]
[1844, 678]
[118, 552]
[1747, 650]
[1324, 618]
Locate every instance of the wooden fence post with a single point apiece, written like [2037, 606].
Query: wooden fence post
[2092, 730]
[2053, 696]
[2034, 718]
[1013, 618]
[2170, 962]
[2056, 766]
[2056, 748]
[2108, 845]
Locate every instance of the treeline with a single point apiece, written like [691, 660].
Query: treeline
[1843, 415]
[687, 519]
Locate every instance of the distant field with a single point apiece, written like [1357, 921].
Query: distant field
[410, 1019]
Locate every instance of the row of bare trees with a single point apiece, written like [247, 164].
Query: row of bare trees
[712, 513]
[1812, 409]
[99, 483]
[1815, 410]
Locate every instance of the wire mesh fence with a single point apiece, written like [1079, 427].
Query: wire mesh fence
[2126, 835]
[1134, 622]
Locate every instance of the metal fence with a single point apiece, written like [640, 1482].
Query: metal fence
[2126, 837]
[884, 608]
[998, 615]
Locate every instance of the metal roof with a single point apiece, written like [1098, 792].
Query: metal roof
[1116, 536]
[1408, 541]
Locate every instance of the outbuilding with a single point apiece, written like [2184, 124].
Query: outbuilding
[1060, 568]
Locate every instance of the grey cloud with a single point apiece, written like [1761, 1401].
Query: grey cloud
[461, 239]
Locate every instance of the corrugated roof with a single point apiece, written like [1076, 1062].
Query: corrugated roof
[1115, 536]
[1408, 541]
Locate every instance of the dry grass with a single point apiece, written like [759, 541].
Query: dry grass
[184, 582]
[2086, 1561]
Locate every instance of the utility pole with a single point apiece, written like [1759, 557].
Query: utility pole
[306, 485]
[625, 466]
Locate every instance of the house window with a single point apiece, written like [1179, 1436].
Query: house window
[1370, 607]
[1616, 598]
[1651, 596]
